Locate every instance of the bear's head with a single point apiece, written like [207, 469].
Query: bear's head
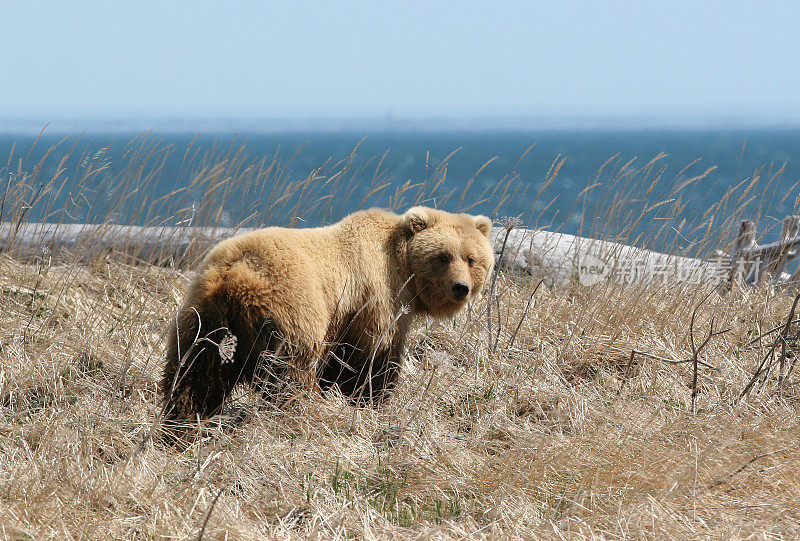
[450, 257]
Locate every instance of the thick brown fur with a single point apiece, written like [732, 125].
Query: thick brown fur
[314, 308]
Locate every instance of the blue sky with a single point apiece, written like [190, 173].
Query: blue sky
[199, 59]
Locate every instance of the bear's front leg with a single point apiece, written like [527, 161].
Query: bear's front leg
[380, 376]
[284, 372]
[303, 374]
[362, 376]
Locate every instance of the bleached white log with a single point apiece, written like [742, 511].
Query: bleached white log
[88, 240]
[562, 258]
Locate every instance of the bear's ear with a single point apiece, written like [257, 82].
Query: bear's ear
[417, 219]
[483, 224]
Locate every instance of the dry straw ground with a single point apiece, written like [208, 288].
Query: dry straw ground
[545, 429]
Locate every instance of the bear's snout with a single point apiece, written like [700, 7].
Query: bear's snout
[460, 291]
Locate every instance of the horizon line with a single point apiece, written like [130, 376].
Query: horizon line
[183, 123]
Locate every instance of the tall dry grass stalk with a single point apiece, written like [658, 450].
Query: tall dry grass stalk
[553, 429]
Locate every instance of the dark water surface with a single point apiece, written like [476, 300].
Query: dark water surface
[134, 174]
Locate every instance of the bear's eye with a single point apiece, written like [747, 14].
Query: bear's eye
[470, 261]
[444, 259]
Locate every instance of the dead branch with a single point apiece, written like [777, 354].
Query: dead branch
[748, 463]
[764, 367]
[524, 314]
[696, 350]
[765, 334]
[745, 241]
[635, 352]
[674, 361]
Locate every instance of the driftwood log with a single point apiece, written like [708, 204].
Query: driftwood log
[562, 258]
[157, 243]
[557, 257]
[750, 263]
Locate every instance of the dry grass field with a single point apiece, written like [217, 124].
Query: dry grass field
[546, 430]
[539, 425]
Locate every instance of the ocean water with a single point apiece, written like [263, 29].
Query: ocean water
[541, 178]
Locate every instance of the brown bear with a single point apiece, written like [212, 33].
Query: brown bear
[302, 310]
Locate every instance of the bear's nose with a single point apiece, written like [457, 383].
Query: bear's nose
[460, 290]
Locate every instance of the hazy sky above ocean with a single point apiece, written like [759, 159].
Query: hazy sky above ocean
[675, 62]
